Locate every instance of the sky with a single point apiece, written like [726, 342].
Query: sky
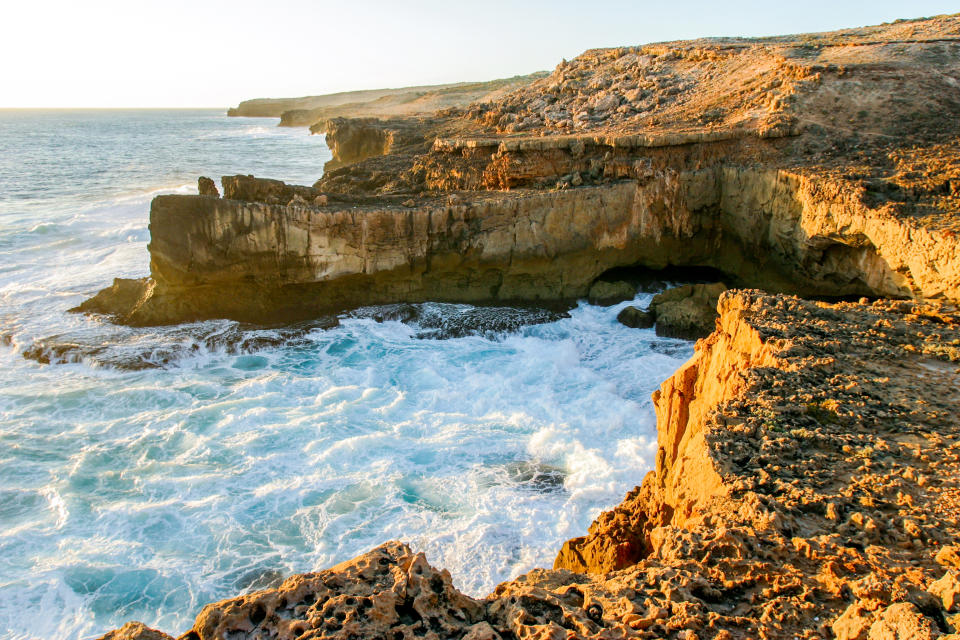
[215, 53]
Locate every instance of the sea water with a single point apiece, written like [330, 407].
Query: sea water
[146, 472]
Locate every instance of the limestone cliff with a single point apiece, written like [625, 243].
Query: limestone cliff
[246, 259]
[379, 103]
[804, 179]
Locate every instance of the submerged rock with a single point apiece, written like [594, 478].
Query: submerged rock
[535, 475]
[636, 318]
[444, 321]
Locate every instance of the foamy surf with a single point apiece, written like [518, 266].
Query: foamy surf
[149, 471]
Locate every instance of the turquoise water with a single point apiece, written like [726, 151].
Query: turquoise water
[149, 471]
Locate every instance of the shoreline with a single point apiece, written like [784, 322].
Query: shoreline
[808, 470]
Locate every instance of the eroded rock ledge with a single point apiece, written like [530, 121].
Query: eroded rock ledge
[250, 260]
[807, 485]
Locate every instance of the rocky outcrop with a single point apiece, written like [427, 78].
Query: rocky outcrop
[135, 631]
[636, 318]
[381, 103]
[207, 187]
[247, 259]
[785, 163]
[354, 139]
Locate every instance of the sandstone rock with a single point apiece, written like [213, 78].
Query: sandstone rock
[207, 187]
[135, 631]
[947, 589]
[689, 311]
[618, 538]
[251, 189]
[606, 293]
[122, 300]
[949, 556]
[763, 427]
[321, 201]
[481, 631]
[902, 621]
[635, 318]
[390, 592]
[854, 623]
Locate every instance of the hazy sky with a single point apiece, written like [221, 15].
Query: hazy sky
[183, 53]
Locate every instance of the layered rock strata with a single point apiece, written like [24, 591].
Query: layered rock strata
[250, 260]
[807, 485]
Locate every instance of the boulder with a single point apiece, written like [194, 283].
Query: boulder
[207, 187]
[902, 621]
[635, 318]
[688, 312]
[947, 589]
[949, 556]
[606, 293]
[135, 631]
[854, 623]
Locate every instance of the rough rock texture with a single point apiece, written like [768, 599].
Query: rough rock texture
[688, 311]
[207, 187]
[252, 260]
[606, 293]
[807, 485]
[135, 631]
[353, 139]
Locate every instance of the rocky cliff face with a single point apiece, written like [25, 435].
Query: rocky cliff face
[770, 229]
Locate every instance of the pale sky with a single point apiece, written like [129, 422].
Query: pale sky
[215, 53]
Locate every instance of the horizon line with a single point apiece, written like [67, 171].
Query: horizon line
[224, 109]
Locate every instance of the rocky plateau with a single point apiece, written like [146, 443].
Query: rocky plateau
[807, 480]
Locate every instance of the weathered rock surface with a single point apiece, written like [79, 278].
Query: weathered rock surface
[246, 259]
[808, 179]
[688, 311]
[207, 187]
[606, 293]
[136, 631]
[636, 318]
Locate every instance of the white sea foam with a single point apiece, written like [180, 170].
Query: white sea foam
[143, 492]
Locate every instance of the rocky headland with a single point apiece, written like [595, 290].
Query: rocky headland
[807, 479]
[382, 103]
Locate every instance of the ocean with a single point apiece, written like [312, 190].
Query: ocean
[146, 472]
